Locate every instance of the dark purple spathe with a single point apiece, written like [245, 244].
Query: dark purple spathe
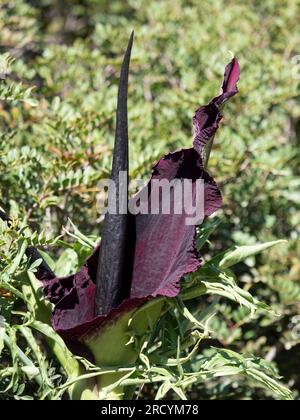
[163, 248]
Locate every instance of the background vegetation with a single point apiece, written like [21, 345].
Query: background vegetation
[57, 119]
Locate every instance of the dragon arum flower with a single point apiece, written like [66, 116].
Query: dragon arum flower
[141, 257]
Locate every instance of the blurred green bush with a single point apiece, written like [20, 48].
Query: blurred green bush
[56, 140]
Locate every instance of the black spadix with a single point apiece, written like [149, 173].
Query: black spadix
[113, 280]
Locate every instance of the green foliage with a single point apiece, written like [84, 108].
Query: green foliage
[59, 70]
[172, 355]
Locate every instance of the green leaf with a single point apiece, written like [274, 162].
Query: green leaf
[66, 263]
[238, 254]
[48, 259]
[35, 264]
